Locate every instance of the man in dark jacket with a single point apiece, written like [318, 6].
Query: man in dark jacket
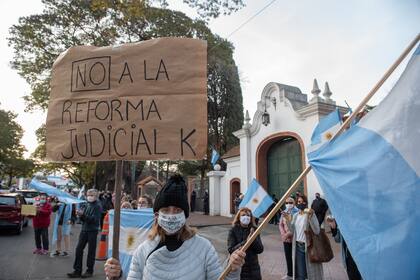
[91, 218]
[320, 207]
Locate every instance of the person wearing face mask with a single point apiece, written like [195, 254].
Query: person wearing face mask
[174, 250]
[41, 222]
[301, 221]
[242, 229]
[91, 218]
[287, 235]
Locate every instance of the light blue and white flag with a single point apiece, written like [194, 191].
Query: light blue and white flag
[66, 227]
[81, 191]
[52, 191]
[134, 228]
[214, 157]
[371, 178]
[325, 130]
[256, 199]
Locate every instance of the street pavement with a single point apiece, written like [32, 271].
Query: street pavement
[18, 263]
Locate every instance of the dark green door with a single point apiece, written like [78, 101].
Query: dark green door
[284, 162]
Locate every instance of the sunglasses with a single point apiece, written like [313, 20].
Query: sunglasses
[289, 202]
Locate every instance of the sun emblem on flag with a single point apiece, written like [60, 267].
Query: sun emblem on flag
[255, 200]
[130, 241]
[328, 135]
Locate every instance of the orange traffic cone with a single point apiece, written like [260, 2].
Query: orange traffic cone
[102, 254]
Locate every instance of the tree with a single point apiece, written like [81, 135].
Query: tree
[38, 40]
[11, 150]
[10, 134]
[17, 167]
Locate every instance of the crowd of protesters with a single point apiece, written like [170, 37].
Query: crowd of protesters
[294, 221]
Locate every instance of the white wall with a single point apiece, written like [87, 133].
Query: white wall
[283, 118]
[233, 171]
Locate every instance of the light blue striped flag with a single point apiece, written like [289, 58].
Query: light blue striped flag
[214, 157]
[52, 191]
[325, 129]
[371, 179]
[256, 199]
[134, 228]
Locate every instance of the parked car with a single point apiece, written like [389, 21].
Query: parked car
[29, 195]
[10, 208]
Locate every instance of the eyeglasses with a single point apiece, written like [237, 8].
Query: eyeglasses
[289, 202]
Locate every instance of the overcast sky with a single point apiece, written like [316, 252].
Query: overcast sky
[350, 44]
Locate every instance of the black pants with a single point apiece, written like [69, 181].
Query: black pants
[85, 237]
[289, 260]
[41, 234]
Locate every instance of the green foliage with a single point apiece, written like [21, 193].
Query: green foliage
[39, 39]
[11, 150]
[10, 134]
[214, 8]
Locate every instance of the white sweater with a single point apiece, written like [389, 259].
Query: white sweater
[196, 259]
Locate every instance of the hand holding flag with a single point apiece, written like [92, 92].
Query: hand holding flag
[256, 199]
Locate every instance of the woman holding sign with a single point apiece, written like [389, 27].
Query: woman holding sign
[173, 249]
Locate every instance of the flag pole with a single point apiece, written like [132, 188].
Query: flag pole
[305, 172]
[117, 207]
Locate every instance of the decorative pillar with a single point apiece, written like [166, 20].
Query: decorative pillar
[214, 191]
[244, 136]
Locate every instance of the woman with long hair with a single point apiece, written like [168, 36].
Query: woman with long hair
[243, 226]
[174, 250]
[302, 220]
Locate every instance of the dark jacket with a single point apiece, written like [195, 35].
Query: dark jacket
[91, 217]
[237, 238]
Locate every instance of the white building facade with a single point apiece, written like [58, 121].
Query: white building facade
[273, 147]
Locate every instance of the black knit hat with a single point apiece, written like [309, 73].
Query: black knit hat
[174, 193]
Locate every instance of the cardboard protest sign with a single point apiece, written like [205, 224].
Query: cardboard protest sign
[137, 101]
[28, 210]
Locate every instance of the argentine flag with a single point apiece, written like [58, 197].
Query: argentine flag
[52, 191]
[214, 157]
[134, 228]
[325, 130]
[371, 178]
[256, 199]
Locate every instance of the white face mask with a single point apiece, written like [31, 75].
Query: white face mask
[91, 198]
[171, 223]
[289, 206]
[245, 220]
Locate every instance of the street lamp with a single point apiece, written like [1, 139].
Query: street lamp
[265, 115]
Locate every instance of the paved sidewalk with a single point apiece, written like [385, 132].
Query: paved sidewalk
[198, 219]
[272, 260]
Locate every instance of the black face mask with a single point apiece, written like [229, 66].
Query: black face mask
[301, 206]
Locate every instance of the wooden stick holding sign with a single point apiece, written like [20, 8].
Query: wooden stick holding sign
[305, 172]
[117, 209]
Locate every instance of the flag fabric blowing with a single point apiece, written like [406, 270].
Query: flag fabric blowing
[52, 191]
[325, 130]
[256, 199]
[370, 177]
[134, 228]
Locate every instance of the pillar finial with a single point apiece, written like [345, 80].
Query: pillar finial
[315, 89]
[327, 92]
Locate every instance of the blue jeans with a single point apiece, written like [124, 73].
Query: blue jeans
[300, 261]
